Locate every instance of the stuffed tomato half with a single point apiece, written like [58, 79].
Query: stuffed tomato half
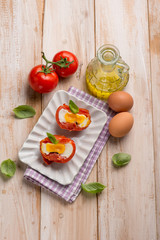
[72, 118]
[56, 148]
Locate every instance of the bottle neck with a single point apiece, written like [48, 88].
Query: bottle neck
[107, 68]
[108, 56]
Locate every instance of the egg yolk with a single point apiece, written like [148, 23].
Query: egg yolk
[59, 148]
[71, 118]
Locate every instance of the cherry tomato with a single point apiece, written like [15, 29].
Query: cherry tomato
[43, 80]
[66, 63]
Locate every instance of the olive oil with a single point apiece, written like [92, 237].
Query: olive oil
[107, 72]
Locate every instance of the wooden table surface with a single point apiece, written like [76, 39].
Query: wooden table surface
[129, 208]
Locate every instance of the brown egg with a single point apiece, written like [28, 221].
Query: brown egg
[120, 101]
[121, 124]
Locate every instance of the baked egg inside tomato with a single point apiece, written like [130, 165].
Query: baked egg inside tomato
[64, 150]
[68, 117]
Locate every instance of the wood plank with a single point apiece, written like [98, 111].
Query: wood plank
[127, 209]
[69, 25]
[154, 26]
[20, 49]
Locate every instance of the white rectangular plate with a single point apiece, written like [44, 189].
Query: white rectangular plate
[84, 140]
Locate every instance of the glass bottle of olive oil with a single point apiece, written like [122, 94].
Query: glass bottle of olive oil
[107, 72]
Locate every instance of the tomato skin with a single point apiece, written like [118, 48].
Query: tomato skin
[41, 82]
[72, 126]
[55, 157]
[65, 72]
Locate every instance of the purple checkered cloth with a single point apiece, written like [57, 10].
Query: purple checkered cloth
[71, 191]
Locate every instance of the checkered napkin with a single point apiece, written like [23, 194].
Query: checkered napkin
[71, 191]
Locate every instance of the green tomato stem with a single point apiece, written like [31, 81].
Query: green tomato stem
[63, 63]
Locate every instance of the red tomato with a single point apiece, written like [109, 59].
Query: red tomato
[72, 126]
[66, 63]
[42, 82]
[56, 157]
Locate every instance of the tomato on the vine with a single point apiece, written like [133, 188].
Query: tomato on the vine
[65, 63]
[42, 82]
[43, 78]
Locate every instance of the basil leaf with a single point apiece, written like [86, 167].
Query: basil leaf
[121, 159]
[52, 138]
[8, 167]
[94, 187]
[73, 107]
[24, 111]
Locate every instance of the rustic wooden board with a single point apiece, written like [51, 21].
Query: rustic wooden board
[127, 209]
[154, 33]
[20, 46]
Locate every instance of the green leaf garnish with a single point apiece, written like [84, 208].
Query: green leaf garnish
[8, 168]
[24, 111]
[94, 187]
[73, 107]
[52, 138]
[121, 159]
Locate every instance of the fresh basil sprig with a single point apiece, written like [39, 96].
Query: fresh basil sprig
[52, 138]
[24, 111]
[8, 168]
[121, 159]
[94, 187]
[73, 107]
